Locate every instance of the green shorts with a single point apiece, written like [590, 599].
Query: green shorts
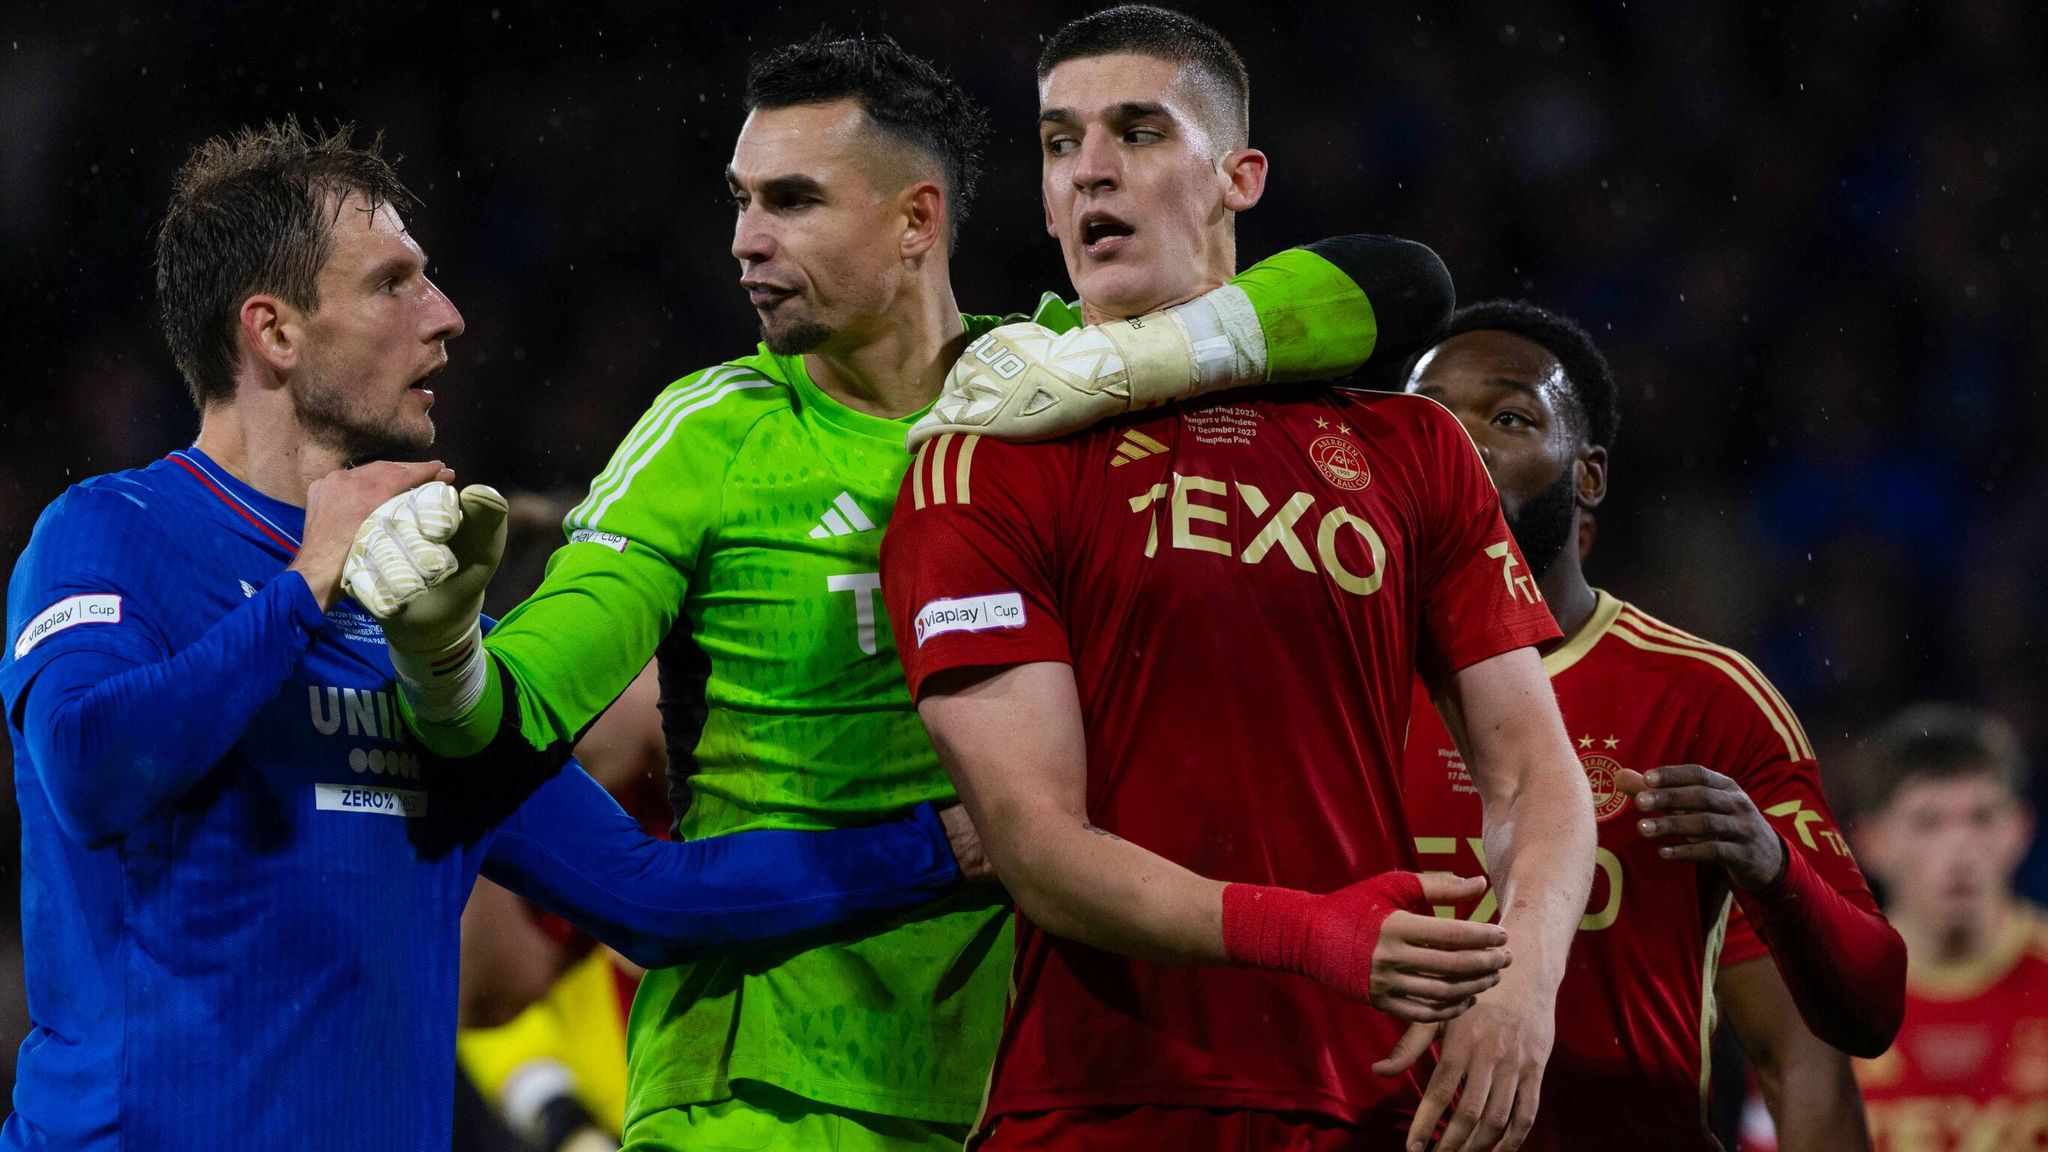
[760, 1118]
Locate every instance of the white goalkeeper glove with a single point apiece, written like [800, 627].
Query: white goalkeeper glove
[420, 564]
[1026, 382]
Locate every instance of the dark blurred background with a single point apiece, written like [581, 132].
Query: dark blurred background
[1810, 237]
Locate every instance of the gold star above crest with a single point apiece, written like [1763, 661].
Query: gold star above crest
[1344, 428]
[1322, 423]
[1610, 742]
[1585, 741]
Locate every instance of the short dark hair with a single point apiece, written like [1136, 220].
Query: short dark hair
[254, 212]
[1934, 741]
[1594, 393]
[1143, 30]
[905, 96]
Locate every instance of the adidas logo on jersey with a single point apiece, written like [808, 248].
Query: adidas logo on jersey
[844, 518]
[1135, 446]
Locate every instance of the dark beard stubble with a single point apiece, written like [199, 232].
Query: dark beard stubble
[333, 422]
[1547, 523]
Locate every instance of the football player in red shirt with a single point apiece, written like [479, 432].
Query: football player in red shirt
[1943, 823]
[1168, 664]
[1703, 783]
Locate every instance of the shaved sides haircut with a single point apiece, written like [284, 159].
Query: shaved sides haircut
[1143, 30]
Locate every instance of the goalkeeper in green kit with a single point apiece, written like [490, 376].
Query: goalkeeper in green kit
[735, 536]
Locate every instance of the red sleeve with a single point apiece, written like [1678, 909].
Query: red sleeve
[1478, 597]
[968, 569]
[1845, 966]
[1741, 944]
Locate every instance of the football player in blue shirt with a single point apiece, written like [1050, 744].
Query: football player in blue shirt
[241, 886]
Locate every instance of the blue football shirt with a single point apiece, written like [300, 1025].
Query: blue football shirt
[242, 890]
[269, 961]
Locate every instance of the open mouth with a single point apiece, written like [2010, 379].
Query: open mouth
[1102, 234]
[766, 296]
[419, 383]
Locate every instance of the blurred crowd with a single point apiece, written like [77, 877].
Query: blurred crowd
[1810, 238]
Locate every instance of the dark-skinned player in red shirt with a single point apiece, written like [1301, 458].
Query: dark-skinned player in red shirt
[1167, 663]
[1704, 786]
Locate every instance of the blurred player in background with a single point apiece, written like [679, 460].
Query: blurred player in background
[1167, 662]
[243, 886]
[736, 536]
[1703, 783]
[1942, 823]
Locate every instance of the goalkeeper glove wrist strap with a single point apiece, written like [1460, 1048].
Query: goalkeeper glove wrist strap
[1209, 344]
[443, 683]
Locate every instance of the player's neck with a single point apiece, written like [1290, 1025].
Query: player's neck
[1930, 940]
[901, 368]
[280, 462]
[1217, 277]
[1564, 586]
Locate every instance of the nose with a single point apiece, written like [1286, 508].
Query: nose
[1097, 165]
[753, 242]
[444, 318]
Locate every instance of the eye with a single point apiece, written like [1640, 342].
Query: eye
[1512, 420]
[1060, 145]
[1144, 136]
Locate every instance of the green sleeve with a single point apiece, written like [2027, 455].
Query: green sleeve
[1329, 308]
[615, 589]
[574, 645]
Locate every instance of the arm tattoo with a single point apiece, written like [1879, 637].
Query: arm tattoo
[1100, 831]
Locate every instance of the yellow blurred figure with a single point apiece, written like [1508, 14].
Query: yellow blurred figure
[570, 1042]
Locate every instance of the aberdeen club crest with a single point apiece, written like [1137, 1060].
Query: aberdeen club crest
[1603, 774]
[1340, 462]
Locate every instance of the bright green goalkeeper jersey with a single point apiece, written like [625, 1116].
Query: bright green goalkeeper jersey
[738, 529]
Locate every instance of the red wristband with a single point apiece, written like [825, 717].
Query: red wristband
[1330, 939]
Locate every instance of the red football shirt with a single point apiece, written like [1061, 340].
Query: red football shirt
[1245, 590]
[1637, 1003]
[1969, 1071]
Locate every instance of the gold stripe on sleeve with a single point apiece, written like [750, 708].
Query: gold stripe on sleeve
[938, 468]
[1651, 626]
[1626, 630]
[967, 444]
